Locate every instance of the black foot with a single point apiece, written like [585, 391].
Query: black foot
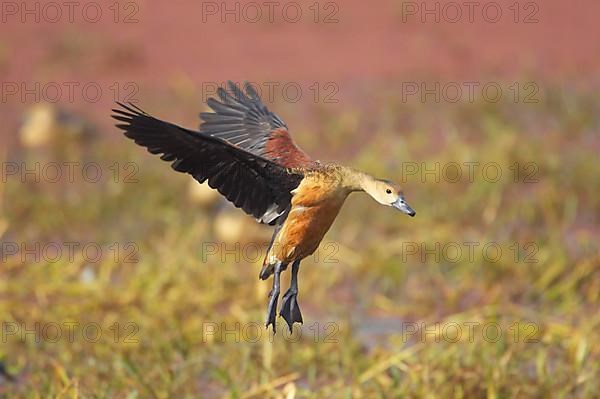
[290, 311]
[272, 310]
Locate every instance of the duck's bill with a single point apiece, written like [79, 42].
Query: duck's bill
[403, 207]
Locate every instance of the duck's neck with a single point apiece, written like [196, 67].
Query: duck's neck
[355, 180]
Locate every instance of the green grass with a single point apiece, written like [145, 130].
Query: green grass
[363, 299]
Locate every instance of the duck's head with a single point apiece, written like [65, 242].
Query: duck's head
[388, 193]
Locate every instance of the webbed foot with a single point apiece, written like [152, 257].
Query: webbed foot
[290, 311]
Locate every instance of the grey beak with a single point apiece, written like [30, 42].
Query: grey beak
[402, 206]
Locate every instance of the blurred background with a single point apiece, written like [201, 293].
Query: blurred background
[122, 279]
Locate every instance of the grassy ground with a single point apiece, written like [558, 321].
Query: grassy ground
[393, 306]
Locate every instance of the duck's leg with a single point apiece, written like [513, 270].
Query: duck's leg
[290, 311]
[273, 296]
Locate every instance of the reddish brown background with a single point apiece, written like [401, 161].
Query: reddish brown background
[370, 45]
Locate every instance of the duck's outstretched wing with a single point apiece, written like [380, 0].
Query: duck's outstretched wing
[242, 119]
[258, 186]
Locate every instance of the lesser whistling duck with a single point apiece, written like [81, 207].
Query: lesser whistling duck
[245, 152]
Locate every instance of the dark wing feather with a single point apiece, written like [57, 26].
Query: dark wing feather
[258, 186]
[243, 120]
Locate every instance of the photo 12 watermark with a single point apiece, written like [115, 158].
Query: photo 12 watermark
[254, 12]
[469, 251]
[68, 172]
[469, 331]
[68, 331]
[91, 252]
[286, 91]
[70, 12]
[469, 172]
[454, 12]
[253, 332]
[252, 252]
[70, 92]
[470, 92]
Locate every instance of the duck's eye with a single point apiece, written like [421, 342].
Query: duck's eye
[388, 191]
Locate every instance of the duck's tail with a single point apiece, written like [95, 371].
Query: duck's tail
[269, 263]
[266, 271]
[269, 268]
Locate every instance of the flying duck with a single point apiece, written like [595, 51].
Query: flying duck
[246, 153]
